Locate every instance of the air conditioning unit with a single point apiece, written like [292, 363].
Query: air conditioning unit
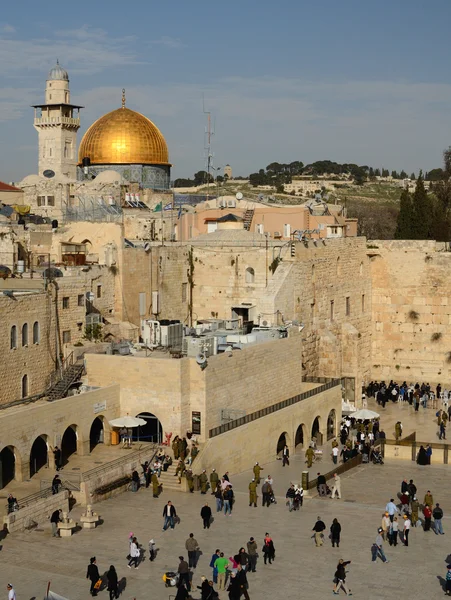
[277, 234]
[222, 203]
[231, 203]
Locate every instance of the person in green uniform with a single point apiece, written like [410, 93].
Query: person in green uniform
[181, 467]
[257, 470]
[253, 493]
[181, 449]
[214, 478]
[194, 452]
[203, 480]
[190, 480]
[175, 447]
[309, 456]
[155, 485]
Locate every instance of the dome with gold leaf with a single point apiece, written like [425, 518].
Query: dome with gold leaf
[128, 142]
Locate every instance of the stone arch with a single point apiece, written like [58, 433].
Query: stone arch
[10, 464]
[282, 441]
[69, 443]
[13, 337]
[97, 432]
[331, 425]
[250, 275]
[24, 386]
[300, 439]
[316, 430]
[39, 454]
[152, 431]
[338, 266]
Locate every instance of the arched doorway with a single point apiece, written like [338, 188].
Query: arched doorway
[69, 443]
[316, 431]
[96, 435]
[299, 439]
[7, 466]
[38, 454]
[331, 420]
[152, 431]
[282, 442]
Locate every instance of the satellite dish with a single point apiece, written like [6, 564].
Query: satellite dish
[239, 195]
[265, 323]
[49, 173]
[201, 360]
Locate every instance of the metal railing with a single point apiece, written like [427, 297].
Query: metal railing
[152, 450]
[339, 469]
[32, 498]
[273, 408]
[57, 375]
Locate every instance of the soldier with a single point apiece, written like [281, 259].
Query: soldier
[334, 443]
[181, 448]
[155, 486]
[175, 447]
[253, 493]
[203, 480]
[194, 452]
[181, 467]
[214, 478]
[309, 456]
[190, 480]
[257, 471]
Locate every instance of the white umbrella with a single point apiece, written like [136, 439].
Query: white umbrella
[365, 414]
[128, 422]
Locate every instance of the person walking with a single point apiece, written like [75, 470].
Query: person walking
[54, 520]
[437, 513]
[11, 592]
[112, 583]
[214, 479]
[336, 488]
[193, 551]
[291, 493]
[56, 482]
[406, 530]
[93, 575]
[134, 554]
[318, 529]
[57, 457]
[340, 577]
[242, 582]
[205, 513]
[335, 531]
[269, 552]
[203, 480]
[252, 555]
[447, 581]
[234, 587]
[427, 512]
[169, 515]
[212, 565]
[428, 499]
[393, 536]
[221, 564]
[266, 493]
[335, 453]
[184, 574]
[391, 509]
[228, 500]
[257, 470]
[285, 456]
[253, 493]
[442, 433]
[218, 497]
[377, 548]
[152, 550]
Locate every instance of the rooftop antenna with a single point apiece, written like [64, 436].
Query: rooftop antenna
[207, 145]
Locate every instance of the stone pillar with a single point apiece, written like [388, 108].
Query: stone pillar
[22, 471]
[305, 480]
[83, 447]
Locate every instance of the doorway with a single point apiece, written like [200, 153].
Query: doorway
[38, 454]
[152, 431]
[69, 443]
[7, 466]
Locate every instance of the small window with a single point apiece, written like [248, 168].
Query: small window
[250, 275]
[81, 300]
[50, 200]
[80, 326]
[184, 291]
[287, 230]
[50, 150]
[24, 386]
[25, 334]
[361, 269]
[41, 200]
[36, 333]
[66, 302]
[99, 291]
[332, 308]
[348, 306]
[313, 273]
[13, 342]
[259, 228]
[66, 337]
[338, 266]
[363, 303]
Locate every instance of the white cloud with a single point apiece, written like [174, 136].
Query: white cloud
[7, 28]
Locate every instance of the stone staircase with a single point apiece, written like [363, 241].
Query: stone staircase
[169, 481]
[247, 218]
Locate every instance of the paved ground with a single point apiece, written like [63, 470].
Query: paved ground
[31, 560]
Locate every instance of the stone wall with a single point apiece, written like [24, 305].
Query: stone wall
[411, 311]
[39, 512]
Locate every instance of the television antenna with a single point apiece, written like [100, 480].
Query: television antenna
[209, 155]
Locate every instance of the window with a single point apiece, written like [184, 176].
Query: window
[361, 269]
[41, 200]
[66, 337]
[50, 200]
[348, 306]
[287, 230]
[24, 386]
[259, 228]
[363, 303]
[338, 266]
[99, 291]
[36, 333]
[66, 302]
[313, 273]
[25, 334]
[80, 326]
[250, 275]
[81, 300]
[332, 307]
[184, 291]
[13, 342]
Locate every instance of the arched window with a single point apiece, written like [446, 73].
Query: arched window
[13, 343]
[24, 386]
[250, 275]
[338, 266]
[313, 273]
[36, 333]
[25, 334]
[361, 268]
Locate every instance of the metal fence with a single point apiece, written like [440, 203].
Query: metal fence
[274, 407]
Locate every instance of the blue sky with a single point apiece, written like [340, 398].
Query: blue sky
[290, 80]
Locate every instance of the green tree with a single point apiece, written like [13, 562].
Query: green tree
[421, 212]
[403, 175]
[404, 221]
[202, 177]
[412, 176]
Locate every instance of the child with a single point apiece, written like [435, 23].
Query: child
[152, 550]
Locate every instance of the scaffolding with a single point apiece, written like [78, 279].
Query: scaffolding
[93, 208]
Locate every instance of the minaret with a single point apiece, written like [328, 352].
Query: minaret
[57, 124]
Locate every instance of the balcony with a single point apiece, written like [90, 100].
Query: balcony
[57, 121]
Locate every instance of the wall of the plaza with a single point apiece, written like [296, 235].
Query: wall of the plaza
[411, 311]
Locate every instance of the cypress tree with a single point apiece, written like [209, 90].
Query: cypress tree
[422, 212]
[405, 217]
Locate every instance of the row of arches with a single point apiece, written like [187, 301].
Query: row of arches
[36, 333]
[303, 436]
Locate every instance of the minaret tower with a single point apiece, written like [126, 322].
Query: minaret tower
[57, 124]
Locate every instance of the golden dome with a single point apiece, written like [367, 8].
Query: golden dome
[124, 136]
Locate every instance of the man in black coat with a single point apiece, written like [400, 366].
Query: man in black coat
[318, 529]
[242, 581]
[93, 575]
[205, 513]
[169, 514]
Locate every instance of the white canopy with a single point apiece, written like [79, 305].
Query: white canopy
[365, 414]
[128, 422]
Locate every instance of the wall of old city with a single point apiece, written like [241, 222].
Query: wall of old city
[411, 311]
